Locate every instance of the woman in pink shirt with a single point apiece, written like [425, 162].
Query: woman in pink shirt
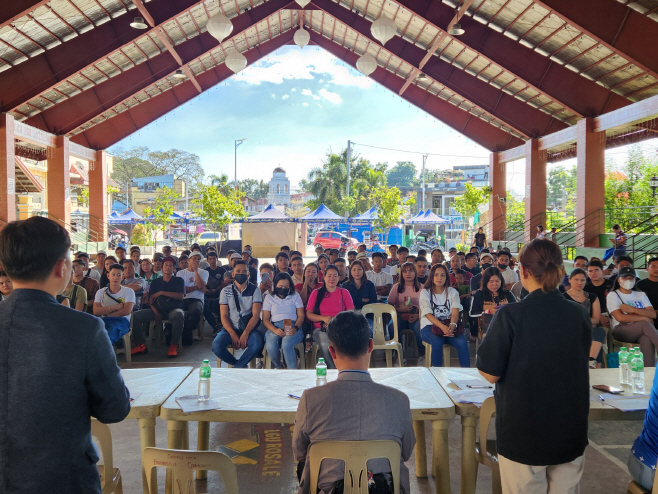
[405, 297]
[323, 304]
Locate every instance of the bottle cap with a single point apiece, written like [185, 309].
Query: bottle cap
[320, 360]
[622, 349]
[205, 361]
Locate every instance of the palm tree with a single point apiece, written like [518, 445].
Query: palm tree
[221, 182]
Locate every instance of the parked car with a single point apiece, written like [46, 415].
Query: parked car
[208, 239]
[334, 240]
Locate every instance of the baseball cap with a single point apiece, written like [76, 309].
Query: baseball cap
[169, 259]
[246, 252]
[101, 252]
[236, 256]
[196, 253]
[486, 254]
[626, 271]
[361, 255]
[158, 254]
[452, 249]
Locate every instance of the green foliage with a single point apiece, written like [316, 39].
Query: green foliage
[515, 209]
[253, 188]
[218, 209]
[390, 207]
[472, 198]
[83, 196]
[328, 183]
[401, 175]
[141, 234]
[561, 184]
[163, 208]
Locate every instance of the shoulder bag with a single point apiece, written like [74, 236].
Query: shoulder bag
[243, 320]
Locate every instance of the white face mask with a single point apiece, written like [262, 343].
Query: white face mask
[627, 284]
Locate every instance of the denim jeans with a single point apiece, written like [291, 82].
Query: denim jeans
[641, 473]
[223, 340]
[610, 252]
[321, 338]
[414, 326]
[275, 344]
[437, 343]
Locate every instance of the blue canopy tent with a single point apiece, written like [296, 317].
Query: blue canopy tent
[130, 217]
[174, 217]
[368, 217]
[322, 215]
[427, 218]
[269, 215]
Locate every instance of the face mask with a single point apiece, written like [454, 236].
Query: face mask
[240, 279]
[627, 284]
[281, 292]
[502, 267]
[486, 265]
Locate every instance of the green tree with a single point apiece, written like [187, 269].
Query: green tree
[129, 164]
[221, 182]
[472, 198]
[141, 234]
[162, 209]
[254, 188]
[561, 184]
[218, 209]
[401, 175]
[391, 207]
[182, 164]
[515, 210]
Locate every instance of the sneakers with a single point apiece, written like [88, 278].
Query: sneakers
[259, 363]
[141, 348]
[195, 335]
[421, 361]
[173, 351]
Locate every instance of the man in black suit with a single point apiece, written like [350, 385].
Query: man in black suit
[58, 369]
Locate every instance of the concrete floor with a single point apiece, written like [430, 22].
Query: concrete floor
[605, 470]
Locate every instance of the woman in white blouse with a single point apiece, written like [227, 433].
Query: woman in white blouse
[439, 316]
[283, 305]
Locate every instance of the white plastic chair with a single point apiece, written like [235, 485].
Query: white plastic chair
[183, 463]
[355, 454]
[485, 450]
[428, 354]
[379, 340]
[110, 476]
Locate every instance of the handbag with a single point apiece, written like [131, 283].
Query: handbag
[165, 304]
[243, 320]
[437, 331]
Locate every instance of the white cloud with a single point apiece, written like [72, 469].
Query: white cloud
[291, 63]
[273, 96]
[331, 97]
[308, 92]
[293, 90]
[305, 104]
[285, 96]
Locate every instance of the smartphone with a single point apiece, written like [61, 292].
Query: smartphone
[266, 277]
[608, 389]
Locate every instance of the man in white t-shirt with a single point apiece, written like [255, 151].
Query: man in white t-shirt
[114, 304]
[195, 287]
[382, 280]
[509, 275]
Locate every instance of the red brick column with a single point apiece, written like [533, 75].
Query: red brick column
[590, 184]
[497, 208]
[535, 188]
[58, 183]
[98, 198]
[7, 169]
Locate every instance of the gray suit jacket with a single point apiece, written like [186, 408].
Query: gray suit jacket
[57, 369]
[352, 408]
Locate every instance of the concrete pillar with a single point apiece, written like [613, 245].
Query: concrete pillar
[497, 204]
[590, 184]
[7, 170]
[535, 189]
[98, 198]
[303, 243]
[58, 183]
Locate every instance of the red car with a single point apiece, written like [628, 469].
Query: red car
[334, 240]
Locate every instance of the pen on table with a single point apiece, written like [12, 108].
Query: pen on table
[295, 397]
[478, 386]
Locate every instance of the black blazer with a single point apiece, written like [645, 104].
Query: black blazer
[57, 369]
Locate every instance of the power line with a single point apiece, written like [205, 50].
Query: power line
[418, 152]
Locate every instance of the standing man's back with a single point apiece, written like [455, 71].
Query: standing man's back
[58, 370]
[352, 408]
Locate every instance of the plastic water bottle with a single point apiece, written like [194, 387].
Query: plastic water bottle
[204, 381]
[637, 365]
[624, 374]
[320, 373]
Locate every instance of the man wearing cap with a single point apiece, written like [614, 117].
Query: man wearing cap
[89, 272]
[165, 299]
[213, 287]
[100, 263]
[195, 286]
[486, 261]
[88, 283]
[202, 262]
[166, 250]
[228, 275]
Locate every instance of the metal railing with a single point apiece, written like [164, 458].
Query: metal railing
[629, 219]
[644, 242]
[80, 233]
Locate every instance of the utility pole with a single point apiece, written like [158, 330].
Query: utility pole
[237, 145]
[424, 161]
[187, 186]
[349, 157]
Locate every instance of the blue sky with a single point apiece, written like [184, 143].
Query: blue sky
[297, 104]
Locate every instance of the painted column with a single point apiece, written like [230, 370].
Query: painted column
[590, 184]
[58, 183]
[535, 189]
[497, 205]
[98, 197]
[7, 169]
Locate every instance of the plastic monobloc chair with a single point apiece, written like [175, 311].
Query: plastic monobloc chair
[355, 454]
[110, 476]
[485, 450]
[379, 340]
[428, 354]
[183, 463]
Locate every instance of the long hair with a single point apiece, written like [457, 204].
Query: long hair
[542, 259]
[402, 283]
[429, 283]
[322, 291]
[309, 265]
[104, 272]
[351, 278]
[487, 274]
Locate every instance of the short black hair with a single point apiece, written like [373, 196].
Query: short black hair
[124, 261]
[295, 258]
[460, 253]
[295, 253]
[624, 258]
[340, 259]
[231, 251]
[285, 247]
[239, 262]
[266, 265]
[209, 248]
[135, 248]
[211, 253]
[194, 246]
[184, 253]
[378, 254]
[483, 251]
[420, 258]
[352, 253]
[30, 249]
[598, 264]
[459, 271]
[116, 266]
[616, 226]
[504, 253]
[280, 255]
[183, 257]
[471, 255]
[403, 249]
[580, 257]
[120, 248]
[349, 334]
[422, 253]
[653, 259]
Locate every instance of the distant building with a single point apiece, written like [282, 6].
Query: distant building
[253, 206]
[144, 191]
[279, 193]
